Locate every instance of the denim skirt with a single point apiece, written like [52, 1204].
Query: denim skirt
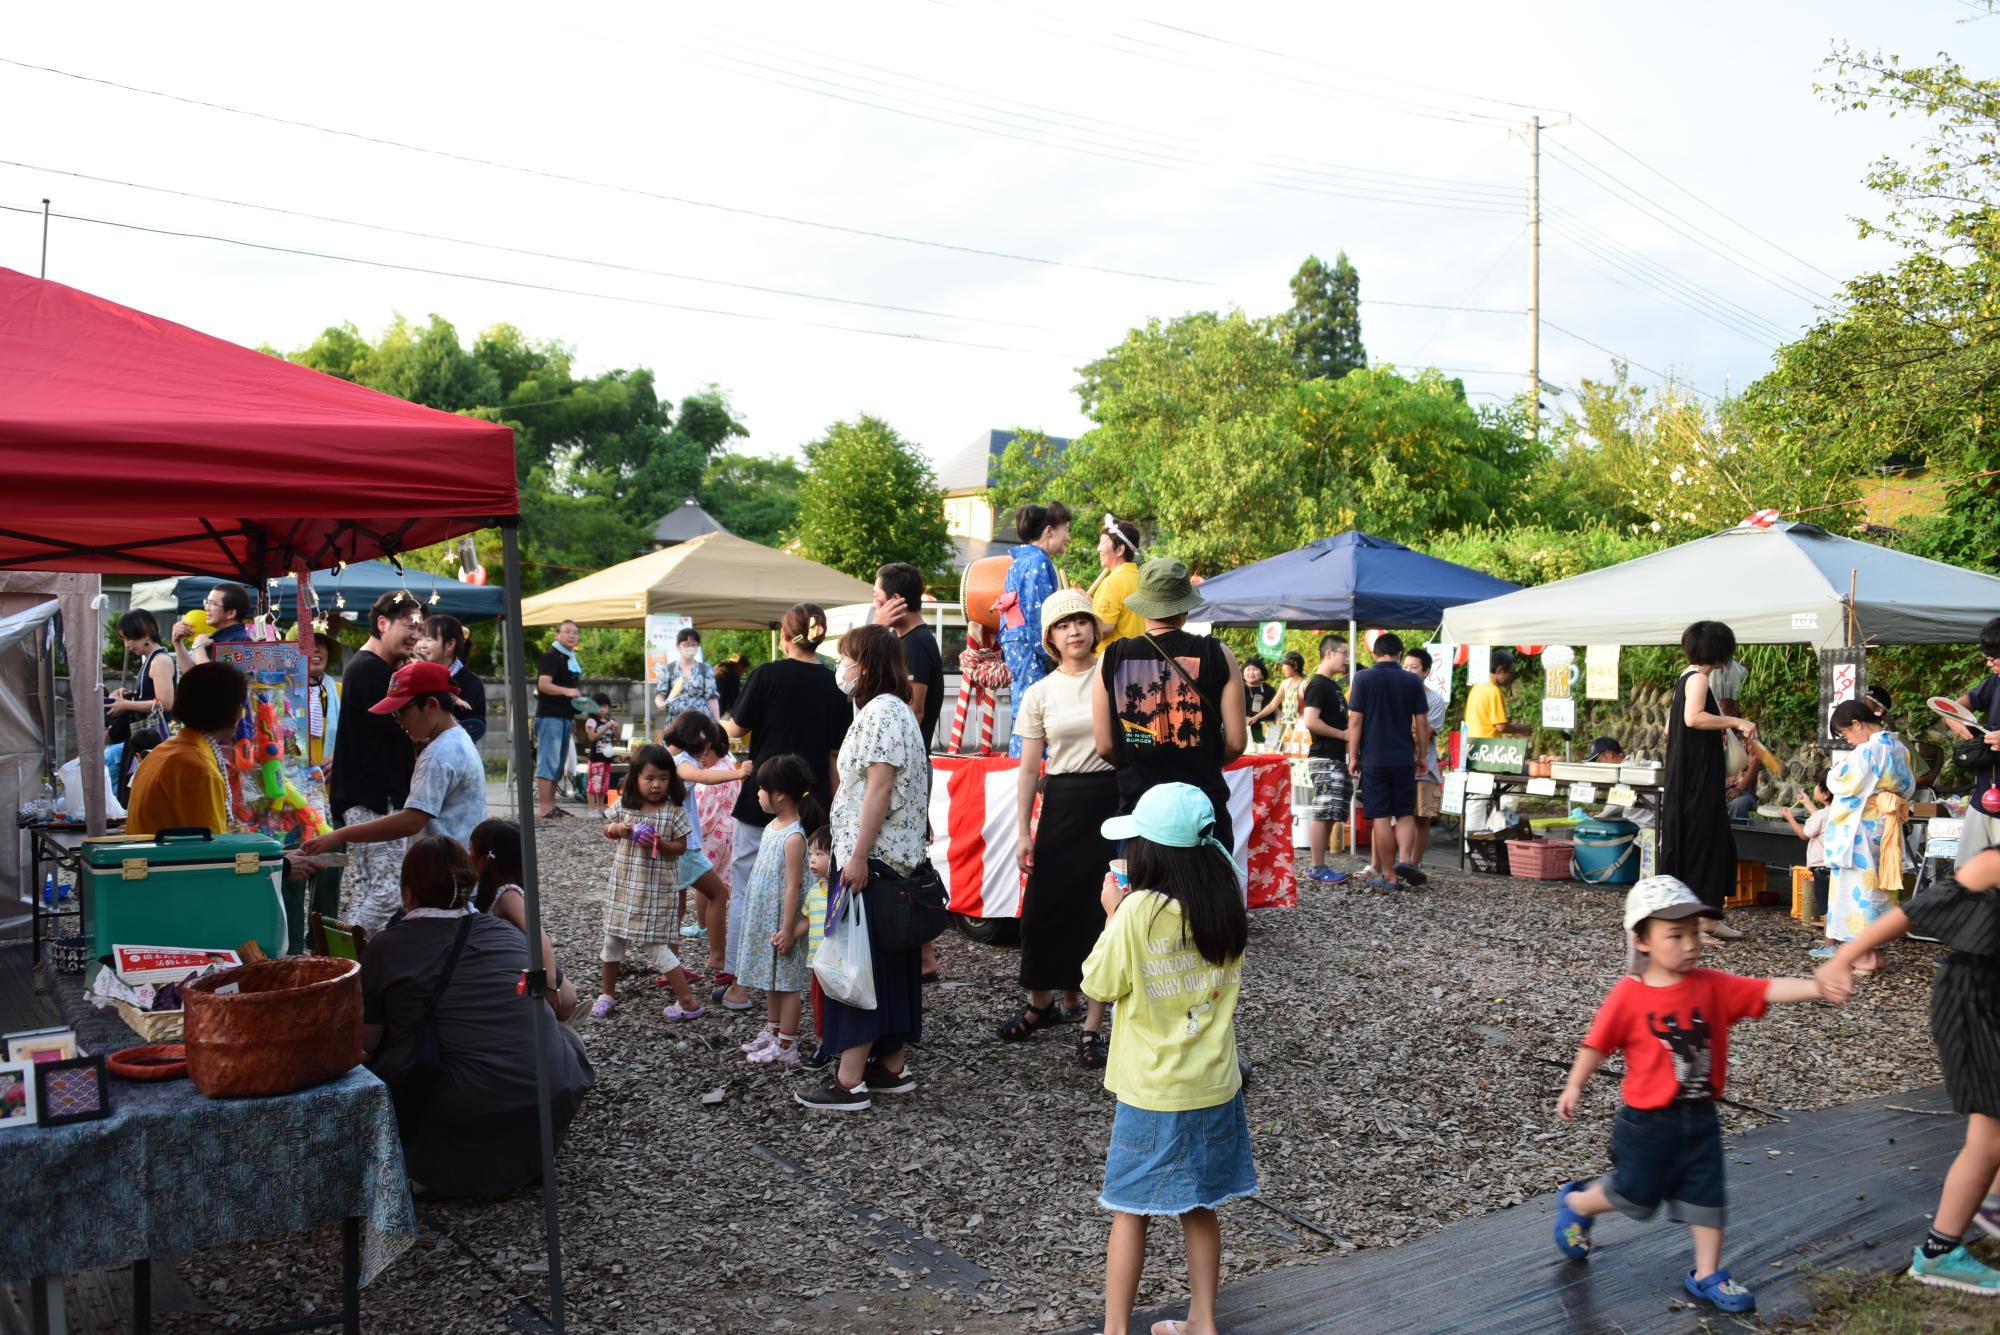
[1168, 1163]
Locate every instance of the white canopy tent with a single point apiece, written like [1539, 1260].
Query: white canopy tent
[1789, 583]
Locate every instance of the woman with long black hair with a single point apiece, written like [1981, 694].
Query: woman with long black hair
[445, 640]
[1696, 844]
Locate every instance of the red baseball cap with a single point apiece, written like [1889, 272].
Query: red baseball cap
[413, 679]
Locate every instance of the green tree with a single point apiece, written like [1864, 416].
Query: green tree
[870, 497]
[753, 496]
[1325, 319]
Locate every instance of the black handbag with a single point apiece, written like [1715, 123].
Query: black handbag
[415, 1086]
[905, 912]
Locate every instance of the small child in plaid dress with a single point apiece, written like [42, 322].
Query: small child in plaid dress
[651, 829]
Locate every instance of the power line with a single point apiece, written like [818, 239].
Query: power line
[1583, 167]
[1620, 148]
[518, 250]
[1696, 303]
[565, 178]
[1320, 64]
[1477, 283]
[535, 287]
[1671, 379]
[613, 265]
[1076, 141]
[1736, 309]
[1145, 138]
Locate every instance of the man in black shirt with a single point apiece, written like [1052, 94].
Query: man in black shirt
[1323, 711]
[899, 602]
[1389, 727]
[372, 760]
[558, 683]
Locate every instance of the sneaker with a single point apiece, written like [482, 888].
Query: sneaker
[1956, 1269]
[1729, 1296]
[1411, 873]
[603, 1006]
[1722, 931]
[776, 1054]
[877, 1078]
[1827, 953]
[765, 1038]
[835, 1097]
[694, 929]
[1325, 876]
[1572, 1229]
[819, 1058]
[1988, 1219]
[676, 1012]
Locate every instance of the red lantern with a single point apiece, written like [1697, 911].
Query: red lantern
[1369, 636]
[1462, 656]
[1990, 799]
[1528, 650]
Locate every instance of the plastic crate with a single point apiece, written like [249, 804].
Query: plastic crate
[1751, 880]
[1540, 859]
[1486, 853]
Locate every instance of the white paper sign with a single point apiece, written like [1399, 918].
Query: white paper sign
[1439, 677]
[1452, 800]
[1541, 787]
[1478, 782]
[1559, 713]
[1478, 663]
[1583, 794]
[1600, 672]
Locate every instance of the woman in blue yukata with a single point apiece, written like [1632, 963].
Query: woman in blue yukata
[1044, 531]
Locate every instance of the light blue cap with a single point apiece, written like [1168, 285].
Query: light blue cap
[1178, 815]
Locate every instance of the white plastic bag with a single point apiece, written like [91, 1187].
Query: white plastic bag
[843, 964]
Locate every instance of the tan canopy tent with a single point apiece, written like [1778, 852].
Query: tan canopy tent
[721, 581]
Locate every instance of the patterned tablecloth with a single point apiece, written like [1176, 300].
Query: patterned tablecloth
[170, 1170]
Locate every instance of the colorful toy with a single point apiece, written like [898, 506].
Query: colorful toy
[197, 624]
[646, 833]
[270, 751]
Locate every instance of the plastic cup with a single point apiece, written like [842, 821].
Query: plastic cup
[1118, 874]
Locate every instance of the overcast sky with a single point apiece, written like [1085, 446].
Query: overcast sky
[1110, 149]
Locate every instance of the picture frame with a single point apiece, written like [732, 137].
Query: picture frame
[76, 1090]
[18, 1105]
[56, 1043]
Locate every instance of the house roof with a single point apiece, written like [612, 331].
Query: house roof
[971, 469]
[684, 523]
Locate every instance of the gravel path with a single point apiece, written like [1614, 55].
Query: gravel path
[1402, 1046]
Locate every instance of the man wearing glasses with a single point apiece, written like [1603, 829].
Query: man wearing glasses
[228, 608]
[1982, 814]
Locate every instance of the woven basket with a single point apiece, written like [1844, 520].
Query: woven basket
[1540, 859]
[291, 1023]
[153, 1026]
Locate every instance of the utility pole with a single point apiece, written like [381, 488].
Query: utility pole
[1535, 278]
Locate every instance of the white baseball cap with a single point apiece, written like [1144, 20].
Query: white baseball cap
[1659, 897]
[1663, 897]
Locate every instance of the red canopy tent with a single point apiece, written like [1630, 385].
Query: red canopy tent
[131, 444]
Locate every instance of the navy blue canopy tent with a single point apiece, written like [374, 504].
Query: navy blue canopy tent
[1351, 577]
[357, 585]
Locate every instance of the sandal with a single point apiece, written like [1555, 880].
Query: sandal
[1091, 1049]
[1024, 1024]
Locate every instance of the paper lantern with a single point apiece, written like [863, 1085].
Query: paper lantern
[1462, 655]
[1369, 636]
[1528, 650]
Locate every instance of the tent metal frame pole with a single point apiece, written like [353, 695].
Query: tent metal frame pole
[537, 977]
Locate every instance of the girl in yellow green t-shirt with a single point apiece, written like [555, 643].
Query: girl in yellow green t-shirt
[1171, 959]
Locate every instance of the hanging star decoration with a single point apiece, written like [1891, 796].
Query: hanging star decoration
[319, 626]
[340, 600]
[434, 598]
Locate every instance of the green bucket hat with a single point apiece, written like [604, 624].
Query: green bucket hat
[1164, 589]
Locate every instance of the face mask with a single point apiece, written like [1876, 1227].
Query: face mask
[844, 676]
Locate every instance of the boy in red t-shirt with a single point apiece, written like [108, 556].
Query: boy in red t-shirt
[1671, 1020]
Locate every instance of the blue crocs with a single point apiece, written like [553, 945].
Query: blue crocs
[1724, 1292]
[1572, 1229]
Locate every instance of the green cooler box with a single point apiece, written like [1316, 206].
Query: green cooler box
[211, 892]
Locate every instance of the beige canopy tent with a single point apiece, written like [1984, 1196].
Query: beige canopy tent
[720, 581]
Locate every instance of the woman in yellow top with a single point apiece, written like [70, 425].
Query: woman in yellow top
[184, 783]
[1118, 553]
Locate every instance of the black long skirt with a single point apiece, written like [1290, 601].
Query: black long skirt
[898, 1017]
[1062, 917]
